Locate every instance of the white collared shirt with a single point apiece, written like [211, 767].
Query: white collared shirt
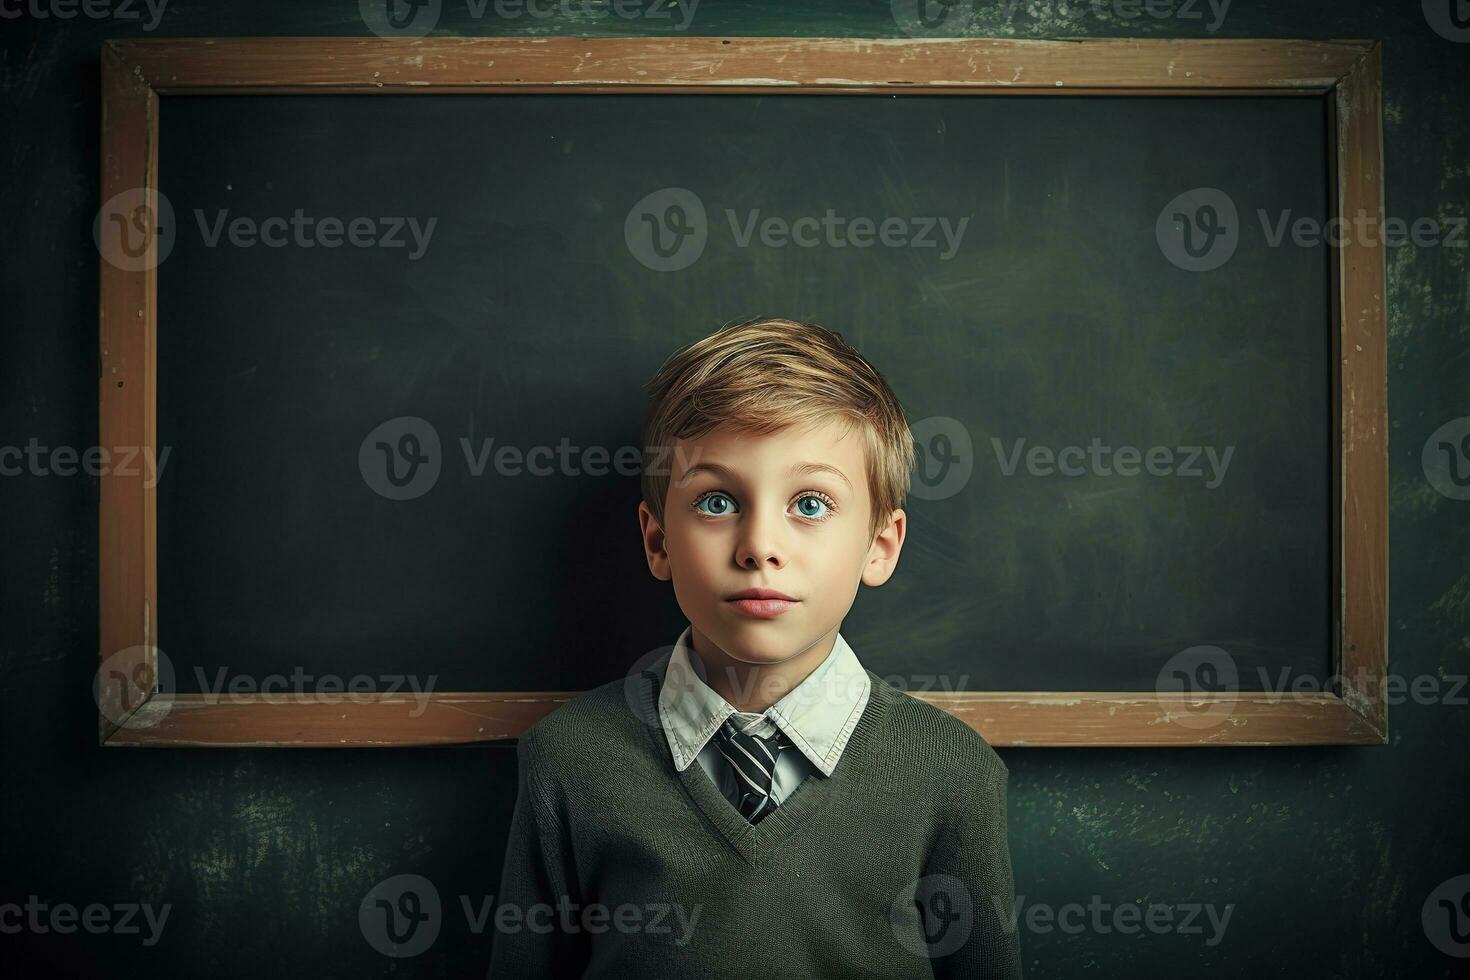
[818, 716]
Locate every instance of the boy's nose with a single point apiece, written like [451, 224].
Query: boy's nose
[759, 545]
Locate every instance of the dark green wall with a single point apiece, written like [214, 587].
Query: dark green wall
[1327, 855]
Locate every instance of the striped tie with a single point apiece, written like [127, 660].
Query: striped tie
[753, 758]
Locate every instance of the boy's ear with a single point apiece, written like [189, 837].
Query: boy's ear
[653, 543]
[883, 553]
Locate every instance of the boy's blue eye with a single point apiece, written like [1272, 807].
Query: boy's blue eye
[721, 504]
[804, 506]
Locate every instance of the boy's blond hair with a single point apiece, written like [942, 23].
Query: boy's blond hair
[763, 375]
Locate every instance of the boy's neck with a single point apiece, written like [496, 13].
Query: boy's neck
[755, 687]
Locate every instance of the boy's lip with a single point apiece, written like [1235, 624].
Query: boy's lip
[762, 608]
[759, 594]
[762, 603]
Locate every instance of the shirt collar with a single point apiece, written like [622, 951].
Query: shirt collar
[818, 715]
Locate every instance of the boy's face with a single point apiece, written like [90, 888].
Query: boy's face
[787, 511]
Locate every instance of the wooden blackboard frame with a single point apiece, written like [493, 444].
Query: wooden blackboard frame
[135, 73]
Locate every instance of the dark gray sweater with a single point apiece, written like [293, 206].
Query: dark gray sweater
[620, 866]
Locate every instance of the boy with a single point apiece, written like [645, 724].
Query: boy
[834, 826]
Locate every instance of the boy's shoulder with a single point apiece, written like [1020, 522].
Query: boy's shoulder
[605, 717]
[924, 738]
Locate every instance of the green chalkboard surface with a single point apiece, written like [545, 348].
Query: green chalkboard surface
[1124, 447]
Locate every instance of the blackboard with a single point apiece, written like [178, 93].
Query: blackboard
[531, 318]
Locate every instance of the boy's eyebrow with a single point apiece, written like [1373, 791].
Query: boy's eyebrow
[800, 469]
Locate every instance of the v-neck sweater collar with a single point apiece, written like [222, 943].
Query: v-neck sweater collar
[753, 841]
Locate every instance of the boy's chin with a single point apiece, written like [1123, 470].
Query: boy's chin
[757, 641]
